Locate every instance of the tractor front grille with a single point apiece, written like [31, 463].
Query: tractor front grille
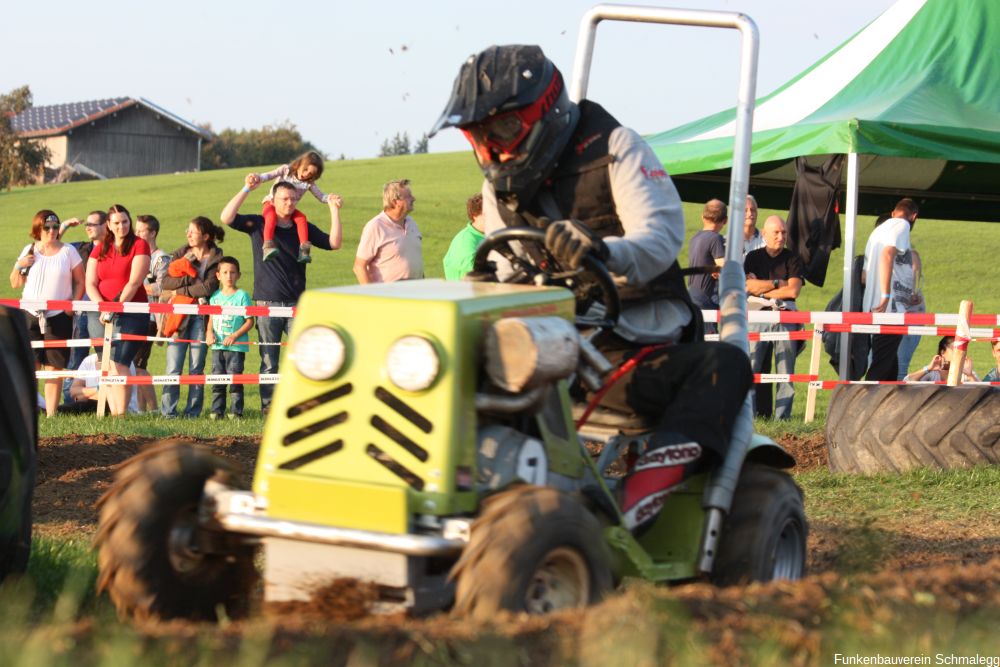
[314, 455]
[403, 409]
[391, 441]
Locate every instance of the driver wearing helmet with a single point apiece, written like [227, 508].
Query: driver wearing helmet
[596, 187]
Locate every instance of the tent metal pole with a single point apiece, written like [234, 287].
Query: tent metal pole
[852, 219]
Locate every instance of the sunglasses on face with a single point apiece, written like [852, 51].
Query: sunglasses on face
[51, 227]
[93, 224]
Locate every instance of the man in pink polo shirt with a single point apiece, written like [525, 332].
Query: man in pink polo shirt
[390, 246]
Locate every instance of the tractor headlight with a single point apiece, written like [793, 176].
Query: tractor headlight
[318, 353]
[412, 363]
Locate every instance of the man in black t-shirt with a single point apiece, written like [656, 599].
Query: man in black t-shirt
[280, 281]
[774, 279]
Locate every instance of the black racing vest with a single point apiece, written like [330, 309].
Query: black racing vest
[580, 188]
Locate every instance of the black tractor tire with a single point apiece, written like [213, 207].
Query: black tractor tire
[18, 441]
[532, 549]
[148, 558]
[892, 428]
[764, 535]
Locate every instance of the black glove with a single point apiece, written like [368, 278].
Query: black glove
[569, 241]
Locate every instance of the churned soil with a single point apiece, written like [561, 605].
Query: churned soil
[74, 471]
[948, 567]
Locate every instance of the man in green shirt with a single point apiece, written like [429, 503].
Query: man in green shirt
[462, 251]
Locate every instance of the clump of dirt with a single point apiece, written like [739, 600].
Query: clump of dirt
[809, 451]
[339, 601]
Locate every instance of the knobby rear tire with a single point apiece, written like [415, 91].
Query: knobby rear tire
[892, 428]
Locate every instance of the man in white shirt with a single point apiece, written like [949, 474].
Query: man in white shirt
[887, 242]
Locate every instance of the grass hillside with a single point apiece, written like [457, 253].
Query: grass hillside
[441, 184]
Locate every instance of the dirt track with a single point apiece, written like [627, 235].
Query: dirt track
[956, 564]
[73, 473]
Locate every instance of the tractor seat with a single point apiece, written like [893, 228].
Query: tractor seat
[606, 418]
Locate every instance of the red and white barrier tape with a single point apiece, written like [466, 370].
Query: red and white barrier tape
[243, 378]
[830, 384]
[909, 330]
[758, 316]
[978, 334]
[771, 378]
[156, 308]
[823, 317]
[99, 342]
[757, 336]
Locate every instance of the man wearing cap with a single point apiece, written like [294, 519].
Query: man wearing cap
[596, 188]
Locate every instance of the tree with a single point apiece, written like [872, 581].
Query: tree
[421, 146]
[272, 144]
[20, 160]
[398, 145]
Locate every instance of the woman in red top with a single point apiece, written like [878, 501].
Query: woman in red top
[115, 271]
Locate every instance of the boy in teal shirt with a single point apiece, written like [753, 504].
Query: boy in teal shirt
[462, 251]
[225, 335]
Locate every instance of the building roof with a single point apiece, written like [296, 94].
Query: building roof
[55, 119]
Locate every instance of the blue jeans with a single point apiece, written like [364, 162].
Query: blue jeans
[76, 354]
[784, 364]
[231, 363]
[269, 330]
[907, 346]
[193, 328]
[122, 351]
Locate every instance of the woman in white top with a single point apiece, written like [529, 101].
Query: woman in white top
[49, 270]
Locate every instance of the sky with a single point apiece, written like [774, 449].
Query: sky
[352, 74]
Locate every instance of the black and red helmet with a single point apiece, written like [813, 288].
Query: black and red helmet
[511, 104]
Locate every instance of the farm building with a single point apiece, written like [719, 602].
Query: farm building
[123, 136]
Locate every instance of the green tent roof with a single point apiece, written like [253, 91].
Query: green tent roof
[916, 93]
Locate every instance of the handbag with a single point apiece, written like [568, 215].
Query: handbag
[172, 322]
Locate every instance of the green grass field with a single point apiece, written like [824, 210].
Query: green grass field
[441, 184]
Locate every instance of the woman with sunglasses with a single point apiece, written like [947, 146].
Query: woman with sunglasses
[115, 272]
[49, 270]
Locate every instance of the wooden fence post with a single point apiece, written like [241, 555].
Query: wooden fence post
[102, 388]
[814, 359]
[959, 349]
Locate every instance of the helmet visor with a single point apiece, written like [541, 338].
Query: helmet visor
[504, 132]
[501, 133]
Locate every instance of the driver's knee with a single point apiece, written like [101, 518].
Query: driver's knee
[732, 365]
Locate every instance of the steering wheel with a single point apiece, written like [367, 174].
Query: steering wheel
[534, 265]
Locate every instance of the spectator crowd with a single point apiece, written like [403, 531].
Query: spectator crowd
[120, 260]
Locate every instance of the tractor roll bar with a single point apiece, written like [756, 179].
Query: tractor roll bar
[732, 298]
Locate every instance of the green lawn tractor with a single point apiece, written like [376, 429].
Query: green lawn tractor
[422, 439]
